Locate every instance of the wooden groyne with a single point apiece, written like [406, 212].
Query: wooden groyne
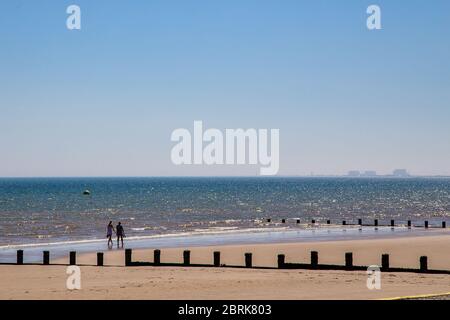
[313, 264]
[392, 223]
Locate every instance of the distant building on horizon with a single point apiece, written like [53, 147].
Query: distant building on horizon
[400, 173]
[354, 173]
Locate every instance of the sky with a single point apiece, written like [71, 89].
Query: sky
[104, 100]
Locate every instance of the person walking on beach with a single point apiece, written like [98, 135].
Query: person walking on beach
[109, 231]
[120, 233]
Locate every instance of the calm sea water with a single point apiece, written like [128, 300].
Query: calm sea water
[42, 210]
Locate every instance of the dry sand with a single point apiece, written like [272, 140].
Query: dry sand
[117, 282]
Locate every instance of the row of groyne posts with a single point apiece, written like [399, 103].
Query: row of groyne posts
[376, 223]
[282, 264]
[248, 258]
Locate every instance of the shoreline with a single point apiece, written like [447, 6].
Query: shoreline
[33, 252]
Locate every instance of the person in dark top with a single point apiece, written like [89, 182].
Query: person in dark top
[120, 234]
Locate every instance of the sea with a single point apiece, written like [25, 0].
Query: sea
[40, 212]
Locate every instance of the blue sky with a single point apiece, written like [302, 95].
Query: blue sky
[103, 101]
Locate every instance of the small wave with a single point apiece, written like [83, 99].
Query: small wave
[142, 229]
[215, 229]
[230, 221]
[44, 236]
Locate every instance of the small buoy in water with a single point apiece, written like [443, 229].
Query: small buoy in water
[86, 192]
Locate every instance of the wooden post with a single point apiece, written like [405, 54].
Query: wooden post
[186, 257]
[283, 220]
[128, 256]
[72, 258]
[156, 257]
[248, 260]
[426, 224]
[423, 264]
[385, 261]
[409, 223]
[392, 223]
[444, 225]
[375, 222]
[281, 261]
[314, 259]
[328, 221]
[19, 256]
[46, 258]
[344, 223]
[360, 222]
[349, 260]
[216, 255]
[99, 259]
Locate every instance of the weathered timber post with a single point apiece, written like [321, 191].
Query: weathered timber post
[46, 257]
[314, 259]
[156, 257]
[281, 261]
[72, 258]
[423, 264]
[99, 259]
[349, 260]
[248, 260]
[385, 261]
[216, 258]
[19, 256]
[186, 257]
[128, 255]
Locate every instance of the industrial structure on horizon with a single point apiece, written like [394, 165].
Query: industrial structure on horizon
[398, 173]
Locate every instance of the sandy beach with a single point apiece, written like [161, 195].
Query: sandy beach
[114, 281]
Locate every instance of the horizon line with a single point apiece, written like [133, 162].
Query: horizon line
[233, 176]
